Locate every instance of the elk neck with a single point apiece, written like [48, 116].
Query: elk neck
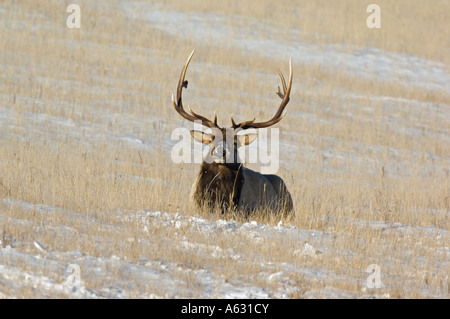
[224, 181]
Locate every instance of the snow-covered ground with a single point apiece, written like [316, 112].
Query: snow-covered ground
[31, 267]
[251, 36]
[51, 273]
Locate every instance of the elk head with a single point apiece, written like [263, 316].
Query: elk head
[224, 142]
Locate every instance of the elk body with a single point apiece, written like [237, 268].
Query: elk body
[223, 182]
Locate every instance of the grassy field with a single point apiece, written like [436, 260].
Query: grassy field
[86, 118]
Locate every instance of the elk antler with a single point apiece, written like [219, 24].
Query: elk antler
[179, 104]
[279, 115]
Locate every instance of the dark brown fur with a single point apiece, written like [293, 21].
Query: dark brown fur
[219, 186]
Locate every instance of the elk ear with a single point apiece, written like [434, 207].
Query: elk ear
[247, 139]
[201, 137]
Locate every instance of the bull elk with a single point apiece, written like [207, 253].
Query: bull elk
[223, 182]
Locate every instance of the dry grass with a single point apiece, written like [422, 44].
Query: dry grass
[70, 97]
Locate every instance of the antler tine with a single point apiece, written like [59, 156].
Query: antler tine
[280, 114]
[204, 119]
[179, 104]
[283, 82]
[233, 123]
[215, 119]
[243, 125]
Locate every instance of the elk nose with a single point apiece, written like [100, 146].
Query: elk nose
[221, 151]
